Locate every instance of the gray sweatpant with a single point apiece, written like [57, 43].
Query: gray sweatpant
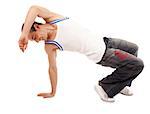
[122, 55]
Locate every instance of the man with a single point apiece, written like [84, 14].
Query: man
[63, 33]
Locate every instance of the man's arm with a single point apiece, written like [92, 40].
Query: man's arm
[52, 72]
[35, 11]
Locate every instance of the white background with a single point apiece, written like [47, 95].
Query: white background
[24, 75]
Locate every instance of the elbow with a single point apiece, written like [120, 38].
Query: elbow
[53, 68]
[34, 8]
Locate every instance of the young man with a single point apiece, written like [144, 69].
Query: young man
[63, 33]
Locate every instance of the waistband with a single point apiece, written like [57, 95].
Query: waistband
[105, 39]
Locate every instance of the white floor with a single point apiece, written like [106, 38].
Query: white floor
[23, 76]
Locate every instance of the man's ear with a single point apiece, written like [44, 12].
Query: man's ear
[36, 26]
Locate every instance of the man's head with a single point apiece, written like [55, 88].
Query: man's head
[38, 32]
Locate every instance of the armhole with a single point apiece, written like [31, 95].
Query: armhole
[54, 43]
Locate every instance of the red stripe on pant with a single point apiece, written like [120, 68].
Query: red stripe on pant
[120, 54]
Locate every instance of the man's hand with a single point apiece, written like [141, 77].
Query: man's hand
[46, 95]
[23, 42]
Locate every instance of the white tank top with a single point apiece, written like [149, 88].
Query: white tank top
[71, 36]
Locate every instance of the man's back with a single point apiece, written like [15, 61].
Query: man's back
[73, 37]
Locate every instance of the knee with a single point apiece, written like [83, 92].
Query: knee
[135, 48]
[139, 65]
[136, 67]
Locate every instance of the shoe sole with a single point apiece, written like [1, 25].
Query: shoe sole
[126, 94]
[111, 100]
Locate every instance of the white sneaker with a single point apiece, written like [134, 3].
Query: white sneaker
[126, 91]
[103, 95]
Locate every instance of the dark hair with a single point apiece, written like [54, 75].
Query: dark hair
[32, 27]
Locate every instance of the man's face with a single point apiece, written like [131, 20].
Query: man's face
[38, 35]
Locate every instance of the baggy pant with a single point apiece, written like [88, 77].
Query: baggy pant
[122, 55]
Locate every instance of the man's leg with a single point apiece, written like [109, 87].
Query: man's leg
[128, 67]
[123, 45]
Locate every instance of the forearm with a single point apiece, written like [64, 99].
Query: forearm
[53, 79]
[31, 15]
